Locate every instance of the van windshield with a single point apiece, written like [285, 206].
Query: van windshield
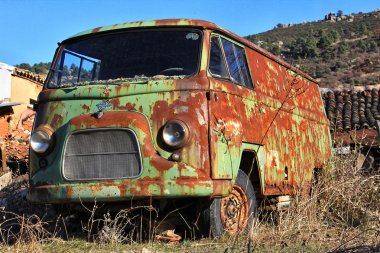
[127, 56]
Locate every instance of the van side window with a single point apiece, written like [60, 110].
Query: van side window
[217, 62]
[243, 65]
[232, 60]
[235, 57]
[236, 63]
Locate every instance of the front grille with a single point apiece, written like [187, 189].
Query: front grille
[102, 154]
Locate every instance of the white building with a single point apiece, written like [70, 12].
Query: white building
[5, 81]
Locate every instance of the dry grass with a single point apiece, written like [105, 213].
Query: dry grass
[123, 227]
[340, 215]
[24, 233]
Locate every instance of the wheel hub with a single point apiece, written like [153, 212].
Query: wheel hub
[235, 211]
[231, 209]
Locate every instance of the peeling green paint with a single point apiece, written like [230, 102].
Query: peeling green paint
[281, 121]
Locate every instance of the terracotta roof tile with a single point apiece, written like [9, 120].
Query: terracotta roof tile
[28, 75]
[352, 110]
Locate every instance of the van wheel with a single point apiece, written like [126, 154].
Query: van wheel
[235, 213]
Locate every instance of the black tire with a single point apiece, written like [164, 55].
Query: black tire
[218, 224]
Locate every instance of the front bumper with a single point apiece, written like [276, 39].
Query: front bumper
[117, 190]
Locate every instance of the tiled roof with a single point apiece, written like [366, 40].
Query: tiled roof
[28, 75]
[352, 109]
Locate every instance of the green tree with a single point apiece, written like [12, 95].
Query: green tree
[74, 70]
[335, 35]
[304, 48]
[296, 48]
[363, 29]
[343, 47]
[328, 54]
[361, 45]
[325, 40]
[340, 13]
[41, 68]
[371, 46]
[37, 68]
[24, 66]
[275, 50]
[311, 47]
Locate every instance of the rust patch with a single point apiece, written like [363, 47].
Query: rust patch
[221, 187]
[57, 121]
[95, 30]
[86, 108]
[69, 192]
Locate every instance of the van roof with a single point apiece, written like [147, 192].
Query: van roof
[190, 23]
[150, 23]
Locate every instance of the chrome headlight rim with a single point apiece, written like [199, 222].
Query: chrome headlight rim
[175, 134]
[41, 140]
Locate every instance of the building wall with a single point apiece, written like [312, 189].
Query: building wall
[5, 81]
[23, 90]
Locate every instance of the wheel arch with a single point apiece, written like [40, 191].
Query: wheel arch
[251, 160]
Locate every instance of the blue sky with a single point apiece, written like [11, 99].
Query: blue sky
[30, 29]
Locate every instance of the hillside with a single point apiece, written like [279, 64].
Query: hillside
[340, 50]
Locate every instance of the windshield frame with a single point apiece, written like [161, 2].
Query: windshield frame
[62, 46]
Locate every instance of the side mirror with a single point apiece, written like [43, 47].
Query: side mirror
[35, 106]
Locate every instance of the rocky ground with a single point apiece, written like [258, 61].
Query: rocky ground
[16, 142]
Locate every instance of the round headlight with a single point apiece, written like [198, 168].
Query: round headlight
[40, 141]
[175, 133]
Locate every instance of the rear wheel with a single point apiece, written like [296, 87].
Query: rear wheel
[234, 213]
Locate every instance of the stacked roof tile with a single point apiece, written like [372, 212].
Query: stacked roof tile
[352, 110]
[28, 75]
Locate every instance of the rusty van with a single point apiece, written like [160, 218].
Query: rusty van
[175, 109]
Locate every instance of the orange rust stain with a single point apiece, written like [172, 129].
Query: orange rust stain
[161, 164]
[56, 121]
[122, 189]
[86, 108]
[96, 188]
[69, 191]
[96, 29]
[192, 183]
[273, 163]
[191, 108]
